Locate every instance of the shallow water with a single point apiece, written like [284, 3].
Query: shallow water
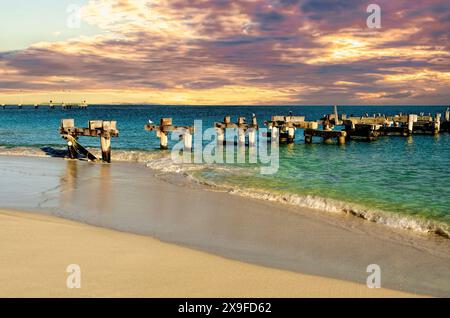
[404, 177]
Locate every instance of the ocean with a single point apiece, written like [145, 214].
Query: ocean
[401, 182]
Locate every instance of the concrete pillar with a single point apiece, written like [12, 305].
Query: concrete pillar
[252, 137]
[187, 138]
[105, 142]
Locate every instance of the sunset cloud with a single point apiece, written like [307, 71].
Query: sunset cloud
[241, 52]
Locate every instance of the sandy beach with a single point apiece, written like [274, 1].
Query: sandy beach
[185, 241]
[36, 251]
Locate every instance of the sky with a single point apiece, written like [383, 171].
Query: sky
[224, 52]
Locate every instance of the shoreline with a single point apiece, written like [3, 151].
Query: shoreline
[129, 198]
[417, 225]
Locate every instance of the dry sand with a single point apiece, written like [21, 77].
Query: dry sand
[36, 250]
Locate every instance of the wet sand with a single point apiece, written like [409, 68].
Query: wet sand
[37, 249]
[129, 198]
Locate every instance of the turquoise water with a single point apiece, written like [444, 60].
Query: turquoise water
[402, 176]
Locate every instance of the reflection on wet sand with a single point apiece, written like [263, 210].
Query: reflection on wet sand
[76, 173]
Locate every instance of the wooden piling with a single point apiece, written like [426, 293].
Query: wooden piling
[165, 127]
[308, 139]
[105, 142]
[97, 128]
[163, 140]
[241, 136]
[187, 138]
[241, 125]
[252, 137]
[220, 135]
[327, 135]
[71, 150]
[283, 127]
[274, 134]
[447, 114]
[437, 124]
[291, 134]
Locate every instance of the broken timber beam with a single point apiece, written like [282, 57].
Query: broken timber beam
[327, 135]
[97, 128]
[165, 127]
[283, 127]
[242, 126]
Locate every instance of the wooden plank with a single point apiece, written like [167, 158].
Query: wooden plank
[79, 148]
[95, 124]
[67, 123]
[166, 121]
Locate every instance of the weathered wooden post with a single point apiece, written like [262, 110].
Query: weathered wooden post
[105, 141]
[274, 134]
[411, 120]
[308, 138]
[97, 128]
[252, 131]
[437, 123]
[327, 123]
[69, 124]
[241, 130]
[163, 140]
[166, 126]
[187, 138]
[342, 138]
[252, 137]
[447, 114]
[220, 135]
[163, 134]
[241, 136]
[291, 134]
